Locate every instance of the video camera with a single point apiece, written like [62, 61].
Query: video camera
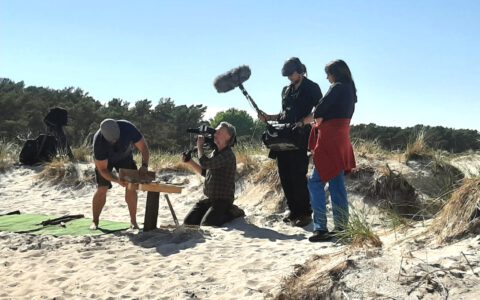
[208, 133]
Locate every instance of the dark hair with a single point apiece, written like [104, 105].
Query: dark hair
[293, 64]
[339, 69]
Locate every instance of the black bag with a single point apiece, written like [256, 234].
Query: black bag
[282, 137]
[42, 149]
[57, 116]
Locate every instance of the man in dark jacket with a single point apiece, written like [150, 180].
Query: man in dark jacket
[298, 100]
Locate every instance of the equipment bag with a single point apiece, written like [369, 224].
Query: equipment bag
[42, 149]
[282, 137]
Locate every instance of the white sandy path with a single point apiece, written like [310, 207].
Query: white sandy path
[246, 259]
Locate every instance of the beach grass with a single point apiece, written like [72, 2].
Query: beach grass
[9, 152]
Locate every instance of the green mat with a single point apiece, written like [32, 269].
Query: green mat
[26, 223]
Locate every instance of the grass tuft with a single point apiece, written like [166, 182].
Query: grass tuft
[358, 231]
[60, 171]
[83, 153]
[394, 190]
[461, 214]
[268, 175]
[418, 148]
[369, 149]
[8, 154]
[165, 161]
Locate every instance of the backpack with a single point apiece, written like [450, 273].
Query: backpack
[41, 149]
[57, 116]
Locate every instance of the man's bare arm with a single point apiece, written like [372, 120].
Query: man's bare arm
[102, 167]
[143, 148]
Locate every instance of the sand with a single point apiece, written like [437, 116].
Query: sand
[246, 259]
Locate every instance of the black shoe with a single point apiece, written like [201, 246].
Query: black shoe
[320, 236]
[289, 218]
[236, 212]
[337, 233]
[302, 221]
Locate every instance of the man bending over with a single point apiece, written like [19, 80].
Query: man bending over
[112, 148]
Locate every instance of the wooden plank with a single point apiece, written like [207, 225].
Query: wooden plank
[160, 187]
[134, 176]
[151, 211]
[156, 187]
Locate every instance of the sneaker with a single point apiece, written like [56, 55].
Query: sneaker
[289, 218]
[236, 212]
[337, 232]
[320, 236]
[302, 221]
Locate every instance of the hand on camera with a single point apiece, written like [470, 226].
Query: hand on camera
[186, 157]
[298, 125]
[200, 141]
[262, 116]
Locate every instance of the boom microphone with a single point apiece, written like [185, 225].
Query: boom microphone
[232, 79]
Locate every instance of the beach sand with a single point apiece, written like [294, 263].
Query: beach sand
[245, 259]
[249, 258]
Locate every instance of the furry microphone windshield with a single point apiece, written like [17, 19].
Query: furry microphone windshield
[232, 79]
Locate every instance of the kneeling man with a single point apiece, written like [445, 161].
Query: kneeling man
[219, 170]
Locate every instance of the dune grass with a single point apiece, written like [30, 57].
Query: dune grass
[172, 161]
[61, 171]
[394, 191]
[83, 153]
[164, 161]
[461, 214]
[369, 149]
[317, 278]
[417, 148]
[358, 231]
[9, 152]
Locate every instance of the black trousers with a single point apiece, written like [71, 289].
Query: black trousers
[126, 163]
[292, 169]
[210, 212]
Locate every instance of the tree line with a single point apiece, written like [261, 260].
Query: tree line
[437, 137]
[164, 124]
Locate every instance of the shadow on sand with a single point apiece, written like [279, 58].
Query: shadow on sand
[167, 241]
[255, 232]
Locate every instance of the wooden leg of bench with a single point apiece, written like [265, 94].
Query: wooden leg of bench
[151, 211]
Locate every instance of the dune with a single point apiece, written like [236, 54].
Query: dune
[256, 257]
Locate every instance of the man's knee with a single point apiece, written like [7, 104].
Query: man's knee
[102, 190]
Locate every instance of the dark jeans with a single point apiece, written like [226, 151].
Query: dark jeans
[210, 212]
[292, 169]
[126, 163]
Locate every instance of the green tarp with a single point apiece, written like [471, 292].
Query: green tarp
[26, 223]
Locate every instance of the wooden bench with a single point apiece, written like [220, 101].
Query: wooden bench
[153, 195]
[153, 198]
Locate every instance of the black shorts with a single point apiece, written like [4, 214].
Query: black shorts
[126, 163]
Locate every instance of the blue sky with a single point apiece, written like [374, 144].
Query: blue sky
[414, 62]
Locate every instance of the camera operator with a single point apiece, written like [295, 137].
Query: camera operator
[219, 171]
